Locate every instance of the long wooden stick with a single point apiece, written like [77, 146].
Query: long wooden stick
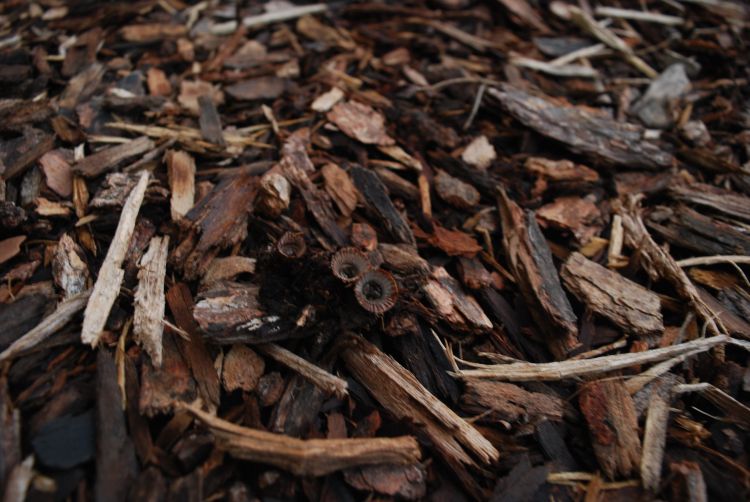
[526, 372]
[314, 374]
[306, 457]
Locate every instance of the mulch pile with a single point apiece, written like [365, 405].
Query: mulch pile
[427, 250]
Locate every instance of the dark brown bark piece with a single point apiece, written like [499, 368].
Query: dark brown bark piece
[702, 234]
[613, 424]
[194, 351]
[377, 200]
[583, 131]
[627, 304]
[455, 192]
[17, 154]
[218, 221]
[296, 167]
[460, 444]
[521, 483]
[15, 113]
[116, 465]
[530, 261]
[161, 387]
[111, 157]
[296, 409]
[496, 401]
[226, 305]
[10, 433]
[81, 87]
[407, 482]
[454, 306]
[210, 122]
[723, 201]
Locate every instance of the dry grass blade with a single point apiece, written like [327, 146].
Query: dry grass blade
[529, 372]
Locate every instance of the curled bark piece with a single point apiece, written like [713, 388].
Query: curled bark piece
[530, 261]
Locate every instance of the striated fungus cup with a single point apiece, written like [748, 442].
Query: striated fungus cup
[376, 291]
[292, 245]
[349, 264]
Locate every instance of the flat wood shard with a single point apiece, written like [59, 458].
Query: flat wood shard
[627, 304]
[108, 282]
[148, 318]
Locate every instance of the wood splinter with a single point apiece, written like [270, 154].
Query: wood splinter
[110, 277]
[149, 299]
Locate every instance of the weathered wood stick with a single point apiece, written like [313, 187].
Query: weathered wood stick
[310, 457]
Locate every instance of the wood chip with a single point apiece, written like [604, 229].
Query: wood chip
[460, 444]
[257, 88]
[109, 158]
[327, 100]
[144, 33]
[632, 307]
[479, 153]
[613, 424]
[241, 369]
[360, 122]
[340, 188]
[210, 122]
[181, 172]
[158, 83]
[107, 286]
[10, 247]
[222, 269]
[58, 174]
[496, 401]
[314, 374]
[149, 299]
[70, 272]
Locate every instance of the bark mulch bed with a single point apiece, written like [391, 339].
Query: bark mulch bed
[429, 250]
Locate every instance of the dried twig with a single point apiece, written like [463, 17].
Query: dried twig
[638, 15]
[526, 372]
[314, 374]
[311, 457]
[287, 14]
